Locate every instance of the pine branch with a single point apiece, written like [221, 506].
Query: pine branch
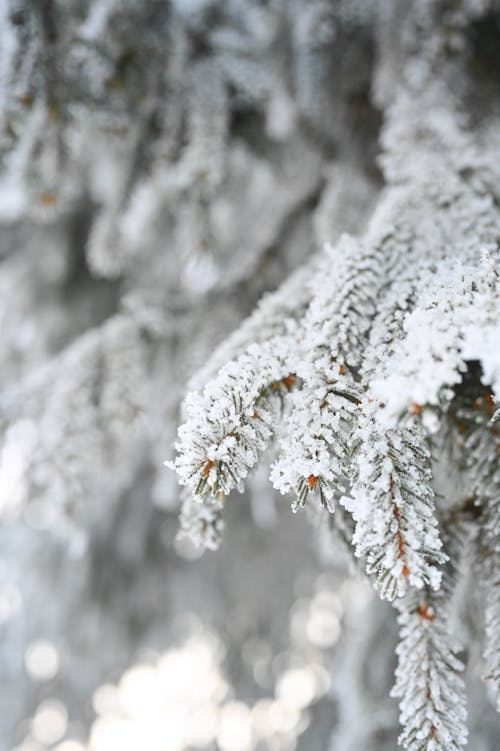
[202, 522]
[454, 322]
[483, 450]
[392, 502]
[429, 681]
[314, 450]
[231, 423]
[314, 454]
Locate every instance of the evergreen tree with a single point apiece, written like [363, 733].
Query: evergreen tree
[165, 165]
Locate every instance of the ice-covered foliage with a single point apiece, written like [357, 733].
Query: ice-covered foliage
[393, 355]
[164, 166]
[455, 321]
[245, 402]
[429, 680]
[392, 503]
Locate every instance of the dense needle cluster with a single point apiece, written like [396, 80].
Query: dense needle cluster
[395, 378]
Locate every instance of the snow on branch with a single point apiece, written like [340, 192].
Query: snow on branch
[392, 502]
[429, 680]
[231, 422]
[313, 451]
[455, 321]
[482, 447]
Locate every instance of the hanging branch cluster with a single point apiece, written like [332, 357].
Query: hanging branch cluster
[393, 506]
[342, 441]
[429, 679]
[394, 345]
[245, 403]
